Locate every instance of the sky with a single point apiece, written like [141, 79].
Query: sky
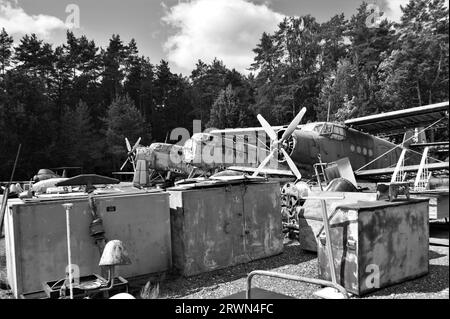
[180, 31]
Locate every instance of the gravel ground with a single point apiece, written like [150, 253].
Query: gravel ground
[293, 260]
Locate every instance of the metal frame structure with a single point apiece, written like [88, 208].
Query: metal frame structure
[313, 281]
[332, 284]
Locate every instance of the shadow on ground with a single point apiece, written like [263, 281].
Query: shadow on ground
[177, 286]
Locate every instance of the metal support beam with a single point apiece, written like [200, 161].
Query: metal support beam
[399, 166]
[421, 170]
[313, 281]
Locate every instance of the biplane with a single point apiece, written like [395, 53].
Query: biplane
[293, 150]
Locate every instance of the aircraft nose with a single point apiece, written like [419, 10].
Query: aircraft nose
[302, 148]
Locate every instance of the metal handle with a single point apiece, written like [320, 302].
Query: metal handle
[313, 281]
[323, 240]
[351, 244]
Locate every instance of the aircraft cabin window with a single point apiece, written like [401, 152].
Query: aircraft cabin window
[327, 129]
[370, 152]
[333, 131]
[365, 151]
[358, 149]
[352, 148]
[338, 133]
[318, 128]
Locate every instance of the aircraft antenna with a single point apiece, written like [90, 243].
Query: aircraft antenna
[328, 112]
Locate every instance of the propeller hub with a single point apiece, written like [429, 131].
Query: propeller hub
[288, 145]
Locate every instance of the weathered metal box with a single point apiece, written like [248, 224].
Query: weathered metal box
[439, 208]
[36, 247]
[377, 244]
[218, 227]
[310, 217]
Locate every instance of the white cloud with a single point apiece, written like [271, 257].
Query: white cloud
[226, 29]
[17, 22]
[394, 12]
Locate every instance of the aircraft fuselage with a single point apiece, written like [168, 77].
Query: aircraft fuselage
[247, 148]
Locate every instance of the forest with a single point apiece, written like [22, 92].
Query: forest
[73, 104]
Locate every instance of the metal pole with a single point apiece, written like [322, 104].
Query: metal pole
[328, 241]
[328, 112]
[313, 281]
[6, 192]
[68, 207]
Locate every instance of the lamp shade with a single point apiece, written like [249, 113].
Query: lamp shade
[114, 254]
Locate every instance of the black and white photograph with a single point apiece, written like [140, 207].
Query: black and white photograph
[218, 156]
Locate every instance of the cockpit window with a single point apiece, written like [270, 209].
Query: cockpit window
[318, 128]
[325, 129]
[339, 133]
[333, 131]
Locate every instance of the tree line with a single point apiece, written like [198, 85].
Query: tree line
[73, 105]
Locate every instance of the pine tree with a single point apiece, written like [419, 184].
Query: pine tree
[6, 42]
[76, 140]
[122, 120]
[114, 64]
[417, 72]
[228, 111]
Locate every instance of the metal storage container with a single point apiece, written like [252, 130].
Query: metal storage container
[439, 208]
[310, 221]
[222, 226]
[377, 244]
[35, 234]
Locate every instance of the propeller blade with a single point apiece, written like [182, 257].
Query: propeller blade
[125, 163]
[291, 128]
[292, 165]
[263, 163]
[266, 126]
[127, 142]
[136, 144]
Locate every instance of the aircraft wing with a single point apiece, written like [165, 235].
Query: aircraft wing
[232, 131]
[397, 121]
[122, 173]
[390, 170]
[267, 171]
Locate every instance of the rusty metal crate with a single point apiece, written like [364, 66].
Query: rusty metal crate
[310, 217]
[36, 247]
[218, 227]
[377, 244]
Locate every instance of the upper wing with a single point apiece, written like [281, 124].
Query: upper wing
[369, 173]
[398, 121]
